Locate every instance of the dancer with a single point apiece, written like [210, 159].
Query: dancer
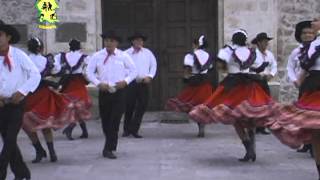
[70, 66]
[304, 34]
[111, 70]
[298, 123]
[270, 65]
[45, 109]
[240, 99]
[19, 77]
[138, 90]
[198, 87]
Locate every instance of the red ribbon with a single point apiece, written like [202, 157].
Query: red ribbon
[136, 50]
[7, 61]
[109, 54]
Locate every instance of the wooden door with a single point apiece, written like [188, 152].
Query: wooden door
[181, 22]
[170, 26]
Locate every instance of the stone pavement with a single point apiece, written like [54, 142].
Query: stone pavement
[169, 152]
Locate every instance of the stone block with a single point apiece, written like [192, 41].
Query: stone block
[66, 31]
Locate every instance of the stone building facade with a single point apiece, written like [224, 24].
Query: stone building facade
[275, 17]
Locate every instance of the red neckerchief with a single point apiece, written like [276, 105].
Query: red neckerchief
[6, 61]
[136, 50]
[109, 53]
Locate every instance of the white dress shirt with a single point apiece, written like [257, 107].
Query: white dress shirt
[39, 60]
[312, 50]
[72, 58]
[293, 67]
[271, 69]
[226, 54]
[23, 77]
[145, 62]
[202, 57]
[118, 67]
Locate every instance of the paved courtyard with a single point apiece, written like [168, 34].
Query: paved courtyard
[169, 152]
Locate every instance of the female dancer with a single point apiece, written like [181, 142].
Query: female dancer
[298, 123]
[198, 87]
[241, 98]
[70, 65]
[304, 34]
[45, 109]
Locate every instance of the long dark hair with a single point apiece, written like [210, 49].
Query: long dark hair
[74, 45]
[204, 44]
[35, 45]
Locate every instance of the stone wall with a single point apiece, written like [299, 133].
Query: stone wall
[277, 18]
[289, 13]
[80, 11]
[255, 16]
[21, 12]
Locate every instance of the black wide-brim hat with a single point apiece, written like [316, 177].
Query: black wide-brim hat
[260, 37]
[111, 35]
[10, 30]
[299, 28]
[137, 35]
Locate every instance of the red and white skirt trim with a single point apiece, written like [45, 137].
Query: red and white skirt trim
[190, 97]
[47, 109]
[244, 103]
[77, 92]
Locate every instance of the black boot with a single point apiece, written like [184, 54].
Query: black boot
[311, 151]
[108, 154]
[84, 130]
[250, 148]
[40, 152]
[305, 148]
[3, 172]
[68, 131]
[53, 156]
[250, 154]
[262, 130]
[201, 130]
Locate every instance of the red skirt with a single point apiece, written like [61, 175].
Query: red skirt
[243, 103]
[294, 124]
[47, 109]
[77, 92]
[190, 97]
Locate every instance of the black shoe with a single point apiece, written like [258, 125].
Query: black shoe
[201, 130]
[3, 173]
[40, 152]
[305, 148]
[311, 152]
[84, 136]
[125, 134]
[136, 135]
[250, 152]
[262, 130]
[52, 153]
[68, 132]
[109, 154]
[83, 127]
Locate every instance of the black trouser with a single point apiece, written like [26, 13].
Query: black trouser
[10, 124]
[111, 108]
[136, 104]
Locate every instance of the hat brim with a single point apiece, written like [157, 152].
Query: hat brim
[12, 31]
[299, 28]
[131, 38]
[117, 38]
[255, 40]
